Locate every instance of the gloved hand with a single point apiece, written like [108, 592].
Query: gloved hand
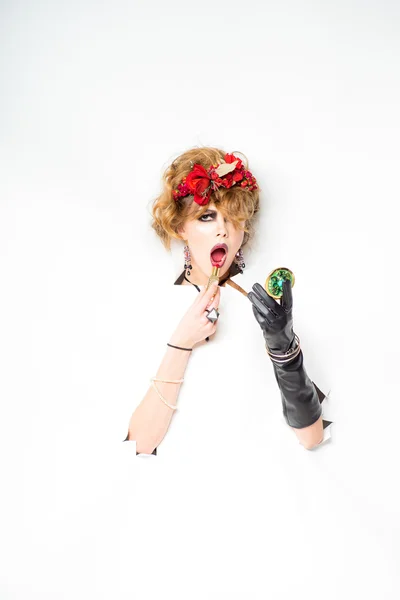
[275, 320]
[300, 401]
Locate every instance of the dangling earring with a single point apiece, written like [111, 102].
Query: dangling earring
[188, 265]
[239, 260]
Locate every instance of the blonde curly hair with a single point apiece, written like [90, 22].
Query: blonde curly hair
[236, 203]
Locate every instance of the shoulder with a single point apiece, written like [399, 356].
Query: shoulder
[180, 279]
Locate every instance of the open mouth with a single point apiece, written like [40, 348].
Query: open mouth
[218, 255]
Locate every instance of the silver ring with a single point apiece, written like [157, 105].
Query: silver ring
[212, 315]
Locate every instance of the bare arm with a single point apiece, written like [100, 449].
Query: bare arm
[150, 421]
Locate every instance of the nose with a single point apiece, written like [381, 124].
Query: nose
[222, 230]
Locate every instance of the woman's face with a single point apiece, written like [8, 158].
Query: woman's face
[203, 235]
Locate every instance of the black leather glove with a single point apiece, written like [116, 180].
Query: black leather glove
[300, 401]
[275, 320]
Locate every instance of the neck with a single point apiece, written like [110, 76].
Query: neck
[200, 279]
[196, 277]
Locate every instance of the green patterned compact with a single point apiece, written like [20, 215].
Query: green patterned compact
[274, 282]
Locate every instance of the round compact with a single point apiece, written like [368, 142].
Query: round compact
[274, 282]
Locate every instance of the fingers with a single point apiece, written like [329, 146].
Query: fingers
[204, 317]
[287, 298]
[260, 306]
[261, 312]
[270, 303]
[206, 301]
[207, 323]
[214, 302]
[264, 298]
[213, 305]
[259, 317]
[205, 296]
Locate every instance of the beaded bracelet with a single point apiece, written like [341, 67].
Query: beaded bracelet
[167, 380]
[154, 379]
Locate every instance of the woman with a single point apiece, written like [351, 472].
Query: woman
[210, 202]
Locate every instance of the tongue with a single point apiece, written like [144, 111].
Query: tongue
[217, 255]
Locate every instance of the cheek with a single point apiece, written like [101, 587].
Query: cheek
[199, 238]
[199, 242]
[239, 236]
[193, 233]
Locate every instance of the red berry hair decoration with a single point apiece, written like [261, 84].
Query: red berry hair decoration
[201, 183]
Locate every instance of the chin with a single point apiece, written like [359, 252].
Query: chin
[225, 268]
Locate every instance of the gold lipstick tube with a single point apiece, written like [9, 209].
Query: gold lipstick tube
[214, 276]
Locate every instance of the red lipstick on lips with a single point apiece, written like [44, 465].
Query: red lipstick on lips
[218, 255]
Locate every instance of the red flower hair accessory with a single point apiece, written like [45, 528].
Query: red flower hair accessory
[201, 183]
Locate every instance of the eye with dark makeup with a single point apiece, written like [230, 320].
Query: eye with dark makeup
[207, 214]
[211, 214]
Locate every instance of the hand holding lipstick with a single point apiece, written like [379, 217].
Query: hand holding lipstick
[195, 326]
[213, 277]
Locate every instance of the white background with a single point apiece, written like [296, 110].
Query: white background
[96, 99]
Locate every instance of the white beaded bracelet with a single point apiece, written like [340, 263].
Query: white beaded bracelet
[161, 396]
[167, 380]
